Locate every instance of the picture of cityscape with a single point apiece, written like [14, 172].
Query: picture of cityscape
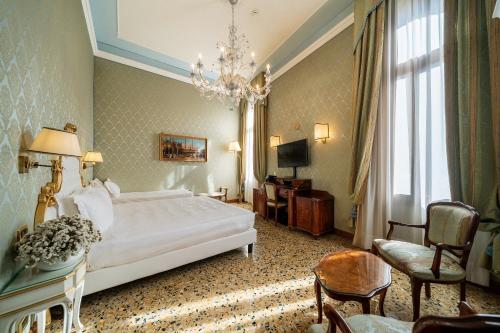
[182, 148]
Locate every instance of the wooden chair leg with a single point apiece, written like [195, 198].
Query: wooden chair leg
[416, 288]
[276, 215]
[462, 291]
[427, 290]
[267, 211]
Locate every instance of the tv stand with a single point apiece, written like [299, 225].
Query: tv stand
[308, 210]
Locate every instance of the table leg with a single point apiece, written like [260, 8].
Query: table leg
[317, 288]
[76, 311]
[68, 316]
[40, 321]
[366, 306]
[381, 302]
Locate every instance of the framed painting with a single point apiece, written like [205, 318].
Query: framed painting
[182, 148]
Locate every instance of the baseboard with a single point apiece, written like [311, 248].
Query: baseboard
[232, 201]
[344, 234]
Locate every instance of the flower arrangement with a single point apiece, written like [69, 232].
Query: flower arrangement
[56, 240]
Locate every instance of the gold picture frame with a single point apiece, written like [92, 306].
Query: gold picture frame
[182, 148]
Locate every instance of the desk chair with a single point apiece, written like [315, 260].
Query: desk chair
[272, 200]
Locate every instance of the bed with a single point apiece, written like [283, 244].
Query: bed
[165, 230]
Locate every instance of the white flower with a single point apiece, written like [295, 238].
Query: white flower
[56, 240]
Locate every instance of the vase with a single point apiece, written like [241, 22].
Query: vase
[72, 260]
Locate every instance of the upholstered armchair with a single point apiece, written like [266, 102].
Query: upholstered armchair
[448, 235]
[468, 322]
[272, 200]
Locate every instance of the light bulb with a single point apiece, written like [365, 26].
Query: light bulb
[268, 67]
[222, 49]
[199, 56]
[253, 54]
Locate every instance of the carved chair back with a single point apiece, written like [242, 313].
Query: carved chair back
[453, 224]
[271, 190]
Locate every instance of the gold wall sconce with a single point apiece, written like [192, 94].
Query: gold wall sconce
[321, 132]
[52, 141]
[91, 158]
[275, 141]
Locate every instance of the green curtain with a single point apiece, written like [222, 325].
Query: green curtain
[369, 26]
[260, 135]
[471, 46]
[243, 107]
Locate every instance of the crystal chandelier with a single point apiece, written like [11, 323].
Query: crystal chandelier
[235, 72]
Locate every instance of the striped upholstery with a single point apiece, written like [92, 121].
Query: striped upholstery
[270, 191]
[449, 224]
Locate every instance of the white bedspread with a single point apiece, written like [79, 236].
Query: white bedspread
[148, 228]
[153, 195]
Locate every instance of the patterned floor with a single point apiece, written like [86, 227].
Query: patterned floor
[269, 291]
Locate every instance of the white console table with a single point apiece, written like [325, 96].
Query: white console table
[32, 292]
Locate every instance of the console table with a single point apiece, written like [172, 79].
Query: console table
[309, 210]
[32, 292]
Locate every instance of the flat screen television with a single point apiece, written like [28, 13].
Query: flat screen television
[293, 155]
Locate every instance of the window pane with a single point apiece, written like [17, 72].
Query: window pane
[402, 170]
[440, 188]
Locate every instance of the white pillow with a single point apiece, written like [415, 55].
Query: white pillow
[113, 188]
[65, 205]
[95, 205]
[97, 183]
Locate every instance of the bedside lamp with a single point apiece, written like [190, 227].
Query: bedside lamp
[91, 158]
[275, 141]
[321, 132]
[51, 141]
[234, 146]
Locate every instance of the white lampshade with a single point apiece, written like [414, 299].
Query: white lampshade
[93, 157]
[234, 146]
[321, 132]
[275, 141]
[496, 11]
[56, 142]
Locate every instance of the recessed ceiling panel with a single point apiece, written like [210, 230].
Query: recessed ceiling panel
[183, 28]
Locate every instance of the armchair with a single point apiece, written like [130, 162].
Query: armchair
[450, 229]
[467, 322]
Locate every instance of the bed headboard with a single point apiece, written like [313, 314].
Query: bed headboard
[66, 178]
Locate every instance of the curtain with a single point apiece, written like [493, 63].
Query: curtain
[408, 167]
[243, 143]
[472, 52]
[260, 135]
[250, 181]
[369, 40]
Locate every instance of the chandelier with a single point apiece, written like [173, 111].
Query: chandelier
[234, 69]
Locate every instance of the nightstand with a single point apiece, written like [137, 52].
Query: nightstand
[32, 292]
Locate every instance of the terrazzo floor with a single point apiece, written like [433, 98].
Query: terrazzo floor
[269, 291]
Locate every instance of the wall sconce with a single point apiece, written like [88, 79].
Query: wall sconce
[91, 158]
[52, 141]
[275, 141]
[321, 132]
[234, 147]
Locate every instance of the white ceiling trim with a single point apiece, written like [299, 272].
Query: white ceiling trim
[140, 65]
[338, 28]
[90, 24]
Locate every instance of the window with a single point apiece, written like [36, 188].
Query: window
[419, 164]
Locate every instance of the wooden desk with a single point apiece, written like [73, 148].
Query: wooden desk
[308, 210]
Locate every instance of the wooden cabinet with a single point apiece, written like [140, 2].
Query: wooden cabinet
[315, 212]
[309, 210]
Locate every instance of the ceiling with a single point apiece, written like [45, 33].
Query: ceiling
[169, 34]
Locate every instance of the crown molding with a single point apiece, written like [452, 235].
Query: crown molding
[90, 24]
[140, 65]
[338, 28]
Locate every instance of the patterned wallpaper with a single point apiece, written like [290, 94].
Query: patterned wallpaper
[131, 107]
[46, 71]
[318, 89]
